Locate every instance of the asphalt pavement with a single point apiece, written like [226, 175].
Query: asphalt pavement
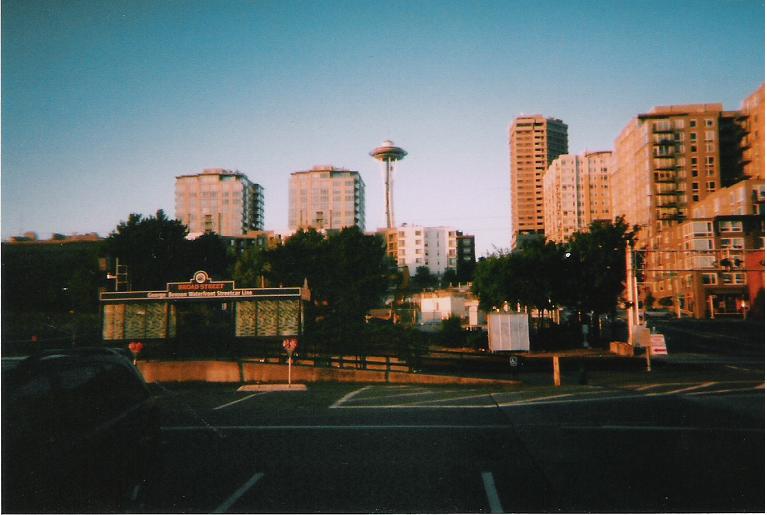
[637, 442]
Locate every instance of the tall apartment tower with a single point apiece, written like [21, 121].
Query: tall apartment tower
[222, 201]
[326, 198]
[752, 142]
[576, 192]
[669, 158]
[534, 142]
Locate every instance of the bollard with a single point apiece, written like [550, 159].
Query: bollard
[557, 381]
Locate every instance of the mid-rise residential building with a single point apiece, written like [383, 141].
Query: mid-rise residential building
[669, 158]
[576, 191]
[752, 142]
[414, 246]
[466, 255]
[222, 201]
[534, 142]
[712, 264]
[326, 198]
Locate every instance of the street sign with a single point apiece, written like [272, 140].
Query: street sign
[658, 345]
[290, 345]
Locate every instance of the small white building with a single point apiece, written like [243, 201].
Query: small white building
[453, 302]
[438, 306]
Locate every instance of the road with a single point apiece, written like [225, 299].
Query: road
[631, 442]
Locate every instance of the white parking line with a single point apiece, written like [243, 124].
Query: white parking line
[536, 399]
[348, 396]
[410, 394]
[665, 428]
[238, 400]
[224, 507]
[353, 427]
[465, 397]
[689, 388]
[492, 494]
[729, 390]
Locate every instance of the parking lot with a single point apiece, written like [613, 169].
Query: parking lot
[669, 446]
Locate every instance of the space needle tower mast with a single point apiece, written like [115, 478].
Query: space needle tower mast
[388, 154]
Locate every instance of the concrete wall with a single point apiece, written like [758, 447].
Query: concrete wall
[250, 372]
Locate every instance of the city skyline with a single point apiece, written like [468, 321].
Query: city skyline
[105, 104]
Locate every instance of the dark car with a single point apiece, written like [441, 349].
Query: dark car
[79, 430]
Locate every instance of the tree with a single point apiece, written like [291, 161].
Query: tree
[491, 278]
[152, 248]
[585, 273]
[251, 267]
[348, 273]
[423, 279]
[596, 267]
[358, 274]
[207, 252]
[449, 277]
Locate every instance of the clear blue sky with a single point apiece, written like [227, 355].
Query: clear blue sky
[105, 102]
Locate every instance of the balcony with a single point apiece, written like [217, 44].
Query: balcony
[666, 213]
[666, 200]
[660, 176]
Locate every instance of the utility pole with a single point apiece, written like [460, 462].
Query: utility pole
[629, 292]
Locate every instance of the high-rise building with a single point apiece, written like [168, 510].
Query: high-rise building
[222, 201]
[534, 142]
[752, 142]
[576, 191]
[414, 246]
[326, 198]
[669, 158]
[709, 265]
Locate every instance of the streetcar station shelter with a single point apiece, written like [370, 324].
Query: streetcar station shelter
[182, 306]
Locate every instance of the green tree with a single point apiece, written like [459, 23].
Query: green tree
[491, 280]
[449, 277]
[348, 273]
[207, 252]
[595, 267]
[358, 273]
[251, 267]
[423, 279]
[152, 247]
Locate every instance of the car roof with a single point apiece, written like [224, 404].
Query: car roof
[41, 360]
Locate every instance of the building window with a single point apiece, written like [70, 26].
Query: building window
[731, 243]
[730, 226]
[693, 124]
[709, 122]
[733, 278]
[708, 278]
[711, 186]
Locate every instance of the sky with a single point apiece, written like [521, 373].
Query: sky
[104, 103]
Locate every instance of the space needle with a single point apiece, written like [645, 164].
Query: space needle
[388, 154]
